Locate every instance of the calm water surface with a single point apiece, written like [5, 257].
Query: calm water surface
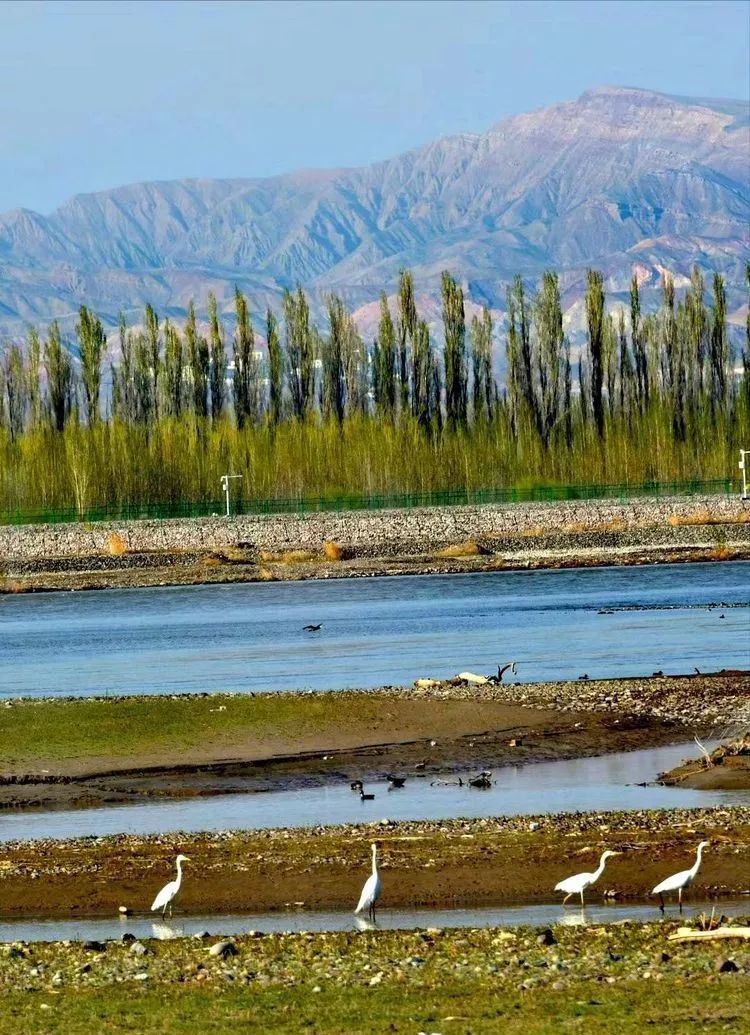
[547, 914]
[376, 631]
[598, 784]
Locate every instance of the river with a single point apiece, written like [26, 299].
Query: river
[604, 622]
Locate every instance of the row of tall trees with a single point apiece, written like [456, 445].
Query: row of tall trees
[679, 354]
[670, 370]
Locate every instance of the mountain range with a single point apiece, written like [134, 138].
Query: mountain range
[621, 180]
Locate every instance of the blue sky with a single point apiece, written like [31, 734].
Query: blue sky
[97, 94]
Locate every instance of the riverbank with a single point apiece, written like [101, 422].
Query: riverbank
[86, 752]
[442, 863]
[602, 978]
[360, 544]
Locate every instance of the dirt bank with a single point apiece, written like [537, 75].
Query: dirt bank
[727, 768]
[423, 863]
[213, 567]
[82, 752]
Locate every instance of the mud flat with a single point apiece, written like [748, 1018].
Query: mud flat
[442, 863]
[78, 752]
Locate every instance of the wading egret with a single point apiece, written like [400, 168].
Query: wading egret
[681, 880]
[371, 890]
[577, 884]
[170, 891]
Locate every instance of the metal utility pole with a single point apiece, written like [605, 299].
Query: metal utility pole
[225, 480]
[743, 467]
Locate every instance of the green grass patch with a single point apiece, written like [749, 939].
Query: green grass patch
[674, 1005]
[79, 733]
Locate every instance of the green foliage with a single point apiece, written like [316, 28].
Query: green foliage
[657, 402]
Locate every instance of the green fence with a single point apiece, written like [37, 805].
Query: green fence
[207, 508]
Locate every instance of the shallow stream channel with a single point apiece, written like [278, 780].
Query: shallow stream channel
[537, 915]
[607, 782]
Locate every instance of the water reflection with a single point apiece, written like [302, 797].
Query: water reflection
[536, 915]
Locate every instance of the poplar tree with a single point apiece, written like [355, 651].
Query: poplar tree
[126, 379]
[549, 358]
[519, 352]
[173, 369]
[275, 368]
[217, 359]
[626, 380]
[454, 331]
[595, 328]
[638, 345]
[300, 352]
[481, 357]
[385, 362]
[719, 347]
[154, 359]
[422, 375]
[92, 343]
[355, 365]
[332, 387]
[244, 357]
[198, 363]
[407, 325]
[33, 387]
[15, 391]
[59, 378]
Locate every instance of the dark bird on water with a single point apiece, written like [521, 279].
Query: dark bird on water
[396, 781]
[484, 780]
[366, 797]
[313, 628]
[584, 676]
[659, 673]
[356, 785]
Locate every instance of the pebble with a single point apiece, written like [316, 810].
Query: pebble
[223, 949]
[726, 967]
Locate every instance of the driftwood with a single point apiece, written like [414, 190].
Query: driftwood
[687, 934]
[472, 677]
[709, 761]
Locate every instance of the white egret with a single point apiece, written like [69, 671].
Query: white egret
[170, 891]
[580, 881]
[371, 890]
[679, 881]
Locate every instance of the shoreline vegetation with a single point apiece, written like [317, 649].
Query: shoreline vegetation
[158, 416]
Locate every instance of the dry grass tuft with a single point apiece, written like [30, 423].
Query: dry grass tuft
[12, 586]
[264, 575]
[210, 560]
[116, 544]
[720, 553]
[333, 551]
[286, 556]
[614, 525]
[705, 517]
[467, 549]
